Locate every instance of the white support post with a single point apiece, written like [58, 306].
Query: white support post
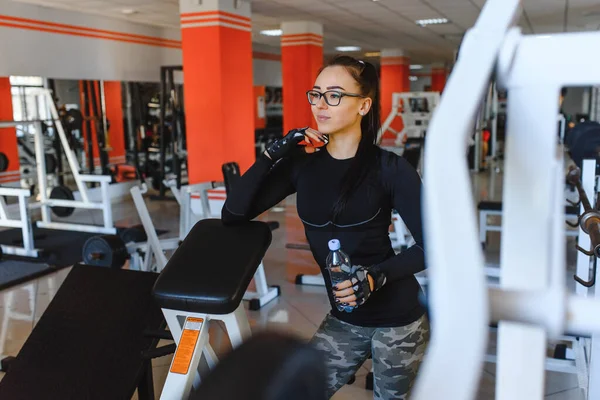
[41, 170]
[106, 206]
[458, 302]
[142, 210]
[26, 230]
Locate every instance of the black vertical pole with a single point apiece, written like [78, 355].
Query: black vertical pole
[88, 126]
[163, 90]
[56, 142]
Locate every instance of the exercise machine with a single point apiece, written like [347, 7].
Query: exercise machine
[191, 297]
[60, 200]
[171, 101]
[531, 303]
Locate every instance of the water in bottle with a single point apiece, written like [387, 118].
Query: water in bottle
[339, 267]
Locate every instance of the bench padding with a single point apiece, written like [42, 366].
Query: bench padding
[88, 344]
[212, 268]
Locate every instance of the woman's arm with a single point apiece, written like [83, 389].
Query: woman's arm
[405, 188]
[264, 185]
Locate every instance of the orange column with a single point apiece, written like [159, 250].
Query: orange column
[219, 92]
[395, 72]
[438, 77]
[8, 136]
[301, 58]
[114, 114]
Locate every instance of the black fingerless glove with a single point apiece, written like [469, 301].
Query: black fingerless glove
[286, 145]
[360, 282]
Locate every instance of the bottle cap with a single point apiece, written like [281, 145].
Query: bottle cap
[334, 245]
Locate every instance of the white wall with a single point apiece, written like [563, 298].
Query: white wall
[576, 101]
[267, 72]
[36, 52]
[420, 83]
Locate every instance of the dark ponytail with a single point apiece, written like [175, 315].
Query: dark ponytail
[365, 74]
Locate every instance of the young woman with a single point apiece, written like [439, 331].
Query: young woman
[346, 190]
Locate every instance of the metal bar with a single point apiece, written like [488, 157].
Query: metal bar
[41, 172]
[161, 130]
[74, 204]
[260, 280]
[588, 183]
[140, 205]
[495, 108]
[86, 108]
[26, 230]
[56, 141]
[106, 205]
[95, 178]
[3, 211]
[71, 158]
[76, 227]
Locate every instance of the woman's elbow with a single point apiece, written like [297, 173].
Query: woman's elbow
[230, 218]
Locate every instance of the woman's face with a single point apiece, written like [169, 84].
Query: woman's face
[334, 119]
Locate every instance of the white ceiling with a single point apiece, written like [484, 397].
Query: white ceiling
[370, 24]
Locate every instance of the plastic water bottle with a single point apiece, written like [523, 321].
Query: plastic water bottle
[339, 267]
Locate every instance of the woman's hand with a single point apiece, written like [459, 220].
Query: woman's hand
[284, 146]
[357, 290]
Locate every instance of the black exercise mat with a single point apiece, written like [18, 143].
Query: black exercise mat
[58, 248]
[13, 272]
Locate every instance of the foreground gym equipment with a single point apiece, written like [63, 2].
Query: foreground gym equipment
[531, 304]
[191, 296]
[100, 331]
[60, 201]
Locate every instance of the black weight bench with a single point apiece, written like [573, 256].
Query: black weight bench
[89, 343]
[494, 208]
[206, 279]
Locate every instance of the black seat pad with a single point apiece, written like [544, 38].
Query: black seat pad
[497, 206]
[212, 267]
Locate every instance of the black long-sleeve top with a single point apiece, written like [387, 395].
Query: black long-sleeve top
[362, 228]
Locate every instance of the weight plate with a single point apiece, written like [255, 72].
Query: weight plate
[62, 193]
[3, 162]
[50, 163]
[134, 234]
[74, 119]
[105, 251]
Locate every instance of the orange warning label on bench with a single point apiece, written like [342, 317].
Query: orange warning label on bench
[187, 344]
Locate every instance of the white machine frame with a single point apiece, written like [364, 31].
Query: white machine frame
[178, 384]
[45, 202]
[401, 101]
[531, 303]
[24, 222]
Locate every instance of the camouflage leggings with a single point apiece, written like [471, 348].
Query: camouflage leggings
[397, 354]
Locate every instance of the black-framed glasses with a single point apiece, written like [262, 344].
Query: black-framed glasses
[332, 97]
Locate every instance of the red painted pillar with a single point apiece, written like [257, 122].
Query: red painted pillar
[438, 77]
[8, 136]
[219, 90]
[395, 72]
[114, 114]
[301, 58]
